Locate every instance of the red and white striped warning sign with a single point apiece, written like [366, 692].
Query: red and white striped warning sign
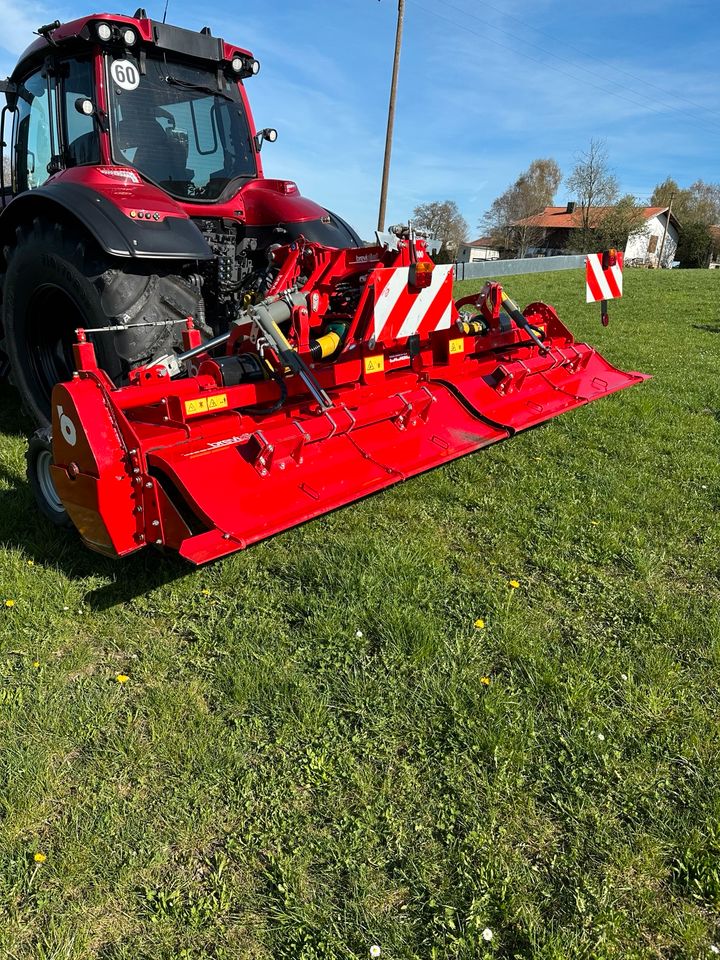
[401, 311]
[603, 284]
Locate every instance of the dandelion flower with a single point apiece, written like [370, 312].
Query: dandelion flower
[39, 857]
[480, 623]
[594, 523]
[205, 592]
[375, 950]
[31, 563]
[485, 681]
[487, 934]
[514, 584]
[36, 663]
[9, 603]
[122, 678]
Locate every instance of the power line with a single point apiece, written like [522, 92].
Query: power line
[606, 90]
[552, 54]
[605, 63]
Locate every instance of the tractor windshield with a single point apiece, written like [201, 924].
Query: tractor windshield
[179, 126]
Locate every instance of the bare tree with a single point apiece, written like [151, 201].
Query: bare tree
[593, 185]
[443, 220]
[528, 196]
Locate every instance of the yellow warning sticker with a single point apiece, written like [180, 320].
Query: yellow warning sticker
[456, 346]
[204, 404]
[374, 364]
[196, 406]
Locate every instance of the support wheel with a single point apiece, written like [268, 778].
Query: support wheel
[39, 460]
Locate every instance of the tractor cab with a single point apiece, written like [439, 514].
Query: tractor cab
[130, 92]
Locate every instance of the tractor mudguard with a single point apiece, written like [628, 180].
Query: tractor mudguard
[169, 238]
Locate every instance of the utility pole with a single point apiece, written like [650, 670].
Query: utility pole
[391, 115]
[667, 224]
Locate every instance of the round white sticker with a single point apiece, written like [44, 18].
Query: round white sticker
[125, 74]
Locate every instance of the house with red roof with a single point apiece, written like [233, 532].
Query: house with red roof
[556, 227]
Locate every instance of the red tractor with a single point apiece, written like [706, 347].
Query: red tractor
[138, 196]
[213, 358]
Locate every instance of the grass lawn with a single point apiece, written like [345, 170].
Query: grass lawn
[306, 760]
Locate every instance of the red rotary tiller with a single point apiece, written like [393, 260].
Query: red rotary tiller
[356, 371]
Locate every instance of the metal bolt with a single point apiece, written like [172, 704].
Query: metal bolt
[156, 523]
[158, 542]
[141, 537]
[226, 536]
[132, 452]
[148, 485]
[136, 469]
[138, 509]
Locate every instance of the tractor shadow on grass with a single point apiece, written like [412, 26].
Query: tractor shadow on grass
[707, 327]
[22, 527]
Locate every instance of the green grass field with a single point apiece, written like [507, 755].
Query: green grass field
[307, 759]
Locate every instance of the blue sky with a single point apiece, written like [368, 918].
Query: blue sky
[485, 87]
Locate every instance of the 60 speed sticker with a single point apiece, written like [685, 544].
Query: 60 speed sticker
[125, 74]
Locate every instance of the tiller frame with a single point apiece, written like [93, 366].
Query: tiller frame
[357, 371]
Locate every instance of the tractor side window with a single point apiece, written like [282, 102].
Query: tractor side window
[33, 138]
[82, 144]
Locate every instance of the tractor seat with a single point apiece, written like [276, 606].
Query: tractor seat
[83, 149]
[157, 155]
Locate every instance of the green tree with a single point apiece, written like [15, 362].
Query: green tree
[695, 245]
[623, 220]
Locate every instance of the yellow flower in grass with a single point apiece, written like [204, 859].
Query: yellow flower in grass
[39, 857]
[480, 623]
[36, 664]
[122, 678]
[485, 681]
[514, 584]
[9, 603]
[31, 563]
[205, 593]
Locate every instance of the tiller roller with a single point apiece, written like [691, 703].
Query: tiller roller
[356, 370]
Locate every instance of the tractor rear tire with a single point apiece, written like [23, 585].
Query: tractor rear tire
[57, 279]
[39, 459]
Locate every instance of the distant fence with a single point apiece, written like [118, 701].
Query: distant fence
[504, 268]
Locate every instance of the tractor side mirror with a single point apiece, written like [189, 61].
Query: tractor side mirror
[10, 90]
[267, 134]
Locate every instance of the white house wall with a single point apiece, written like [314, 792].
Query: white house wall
[638, 247]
